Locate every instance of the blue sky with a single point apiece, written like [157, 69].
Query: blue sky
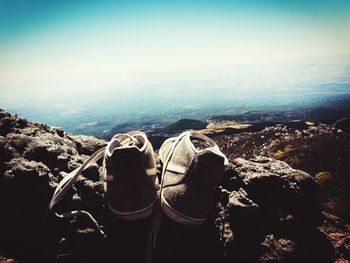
[59, 46]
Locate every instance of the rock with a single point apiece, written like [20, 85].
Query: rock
[92, 173]
[32, 156]
[260, 178]
[6, 260]
[272, 198]
[55, 151]
[244, 214]
[6, 153]
[10, 122]
[278, 250]
[87, 144]
[272, 182]
[25, 189]
[91, 195]
[58, 131]
[20, 141]
[86, 245]
[6, 125]
[28, 173]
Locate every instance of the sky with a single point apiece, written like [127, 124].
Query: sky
[50, 48]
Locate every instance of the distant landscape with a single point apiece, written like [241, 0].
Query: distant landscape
[309, 89]
[160, 126]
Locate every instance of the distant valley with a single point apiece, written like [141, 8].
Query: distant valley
[250, 121]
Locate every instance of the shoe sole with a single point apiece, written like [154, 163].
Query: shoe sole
[134, 215]
[177, 216]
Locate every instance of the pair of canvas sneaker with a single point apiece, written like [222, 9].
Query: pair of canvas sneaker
[192, 166]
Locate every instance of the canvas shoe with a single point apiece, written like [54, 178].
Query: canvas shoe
[130, 176]
[192, 169]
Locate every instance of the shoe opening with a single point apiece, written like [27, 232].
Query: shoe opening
[200, 144]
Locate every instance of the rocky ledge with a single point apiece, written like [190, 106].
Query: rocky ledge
[265, 211]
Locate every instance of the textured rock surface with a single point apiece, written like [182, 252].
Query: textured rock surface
[6, 260]
[265, 211]
[323, 151]
[33, 158]
[271, 212]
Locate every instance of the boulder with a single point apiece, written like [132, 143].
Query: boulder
[272, 199]
[87, 144]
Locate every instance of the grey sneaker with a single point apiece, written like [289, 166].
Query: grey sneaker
[129, 174]
[192, 169]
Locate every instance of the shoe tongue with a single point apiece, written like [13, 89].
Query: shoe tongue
[124, 158]
[131, 142]
[200, 144]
